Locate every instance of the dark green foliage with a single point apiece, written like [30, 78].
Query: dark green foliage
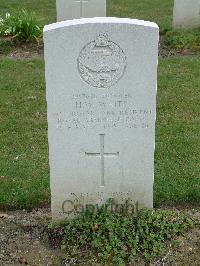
[183, 39]
[21, 26]
[117, 239]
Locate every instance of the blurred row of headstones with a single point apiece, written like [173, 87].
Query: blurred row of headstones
[186, 13]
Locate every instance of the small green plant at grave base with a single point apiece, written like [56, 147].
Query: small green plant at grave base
[21, 26]
[112, 238]
[183, 39]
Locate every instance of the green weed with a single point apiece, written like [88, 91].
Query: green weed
[183, 39]
[21, 26]
[117, 239]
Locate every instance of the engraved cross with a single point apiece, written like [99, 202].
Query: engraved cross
[81, 2]
[102, 154]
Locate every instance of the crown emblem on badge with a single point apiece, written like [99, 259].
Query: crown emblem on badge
[102, 40]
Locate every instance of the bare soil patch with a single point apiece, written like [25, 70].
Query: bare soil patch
[25, 51]
[31, 51]
[24, 240]
[165, 51]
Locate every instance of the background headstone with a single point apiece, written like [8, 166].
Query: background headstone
[186, 13]
[71, 9]
[101, 95]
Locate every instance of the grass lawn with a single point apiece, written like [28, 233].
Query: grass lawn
[23, 136]
[24, 172]
[177, 168]
[24, 167]
[159, 11]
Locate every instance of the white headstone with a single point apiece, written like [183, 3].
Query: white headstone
[101, 95]
[72, 9]
[186, 13]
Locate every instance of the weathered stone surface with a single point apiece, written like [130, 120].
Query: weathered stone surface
[72, 9]
[101, 78]
[186, 13]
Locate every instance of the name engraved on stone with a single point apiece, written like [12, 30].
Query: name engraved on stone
[101, 63]
[102, 155]
[107, 111]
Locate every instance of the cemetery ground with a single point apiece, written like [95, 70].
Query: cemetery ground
[24, 170]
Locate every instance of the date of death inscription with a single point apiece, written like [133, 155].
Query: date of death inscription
[105, 111]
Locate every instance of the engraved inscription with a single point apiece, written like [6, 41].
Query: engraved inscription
[101, 63]
[105, 112]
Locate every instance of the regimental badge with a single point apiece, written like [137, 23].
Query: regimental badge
[101, 63]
